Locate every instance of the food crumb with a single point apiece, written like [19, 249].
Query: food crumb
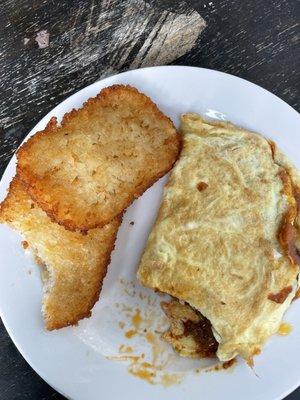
[228, 364]
[257, 351]
[136, 319]
[170, 379]
[143, 374]
[121, 324]
[42, 39]
[132, 223]
[129, 334]
[24, 244]
[284, 329]
[202, 186]
[150, 337]
[221, 366]
[125, 349]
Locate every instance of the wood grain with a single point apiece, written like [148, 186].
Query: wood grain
[88, 40]
[257, 40]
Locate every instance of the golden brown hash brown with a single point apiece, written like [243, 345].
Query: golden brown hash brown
[75, 264]
[86, 171]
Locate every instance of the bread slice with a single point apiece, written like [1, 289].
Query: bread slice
[86, 171]
[75, 263]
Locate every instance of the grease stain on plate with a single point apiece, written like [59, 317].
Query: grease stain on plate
[284, 329]
[126, 327]
[138, 325]
[221, 366]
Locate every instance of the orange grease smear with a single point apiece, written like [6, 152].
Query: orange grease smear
[150, 337]
[297, 294]
[169, 380]
[147, 365]
[133, 359]
[284, 329]
[136, 319]
[143, 374]
[129, 334]
[219, 367]
[125, 349]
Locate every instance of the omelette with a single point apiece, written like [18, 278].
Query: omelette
[225, 244]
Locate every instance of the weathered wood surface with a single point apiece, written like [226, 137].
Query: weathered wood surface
[87, 41]
[257, 40]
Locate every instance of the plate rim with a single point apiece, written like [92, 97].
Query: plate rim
[42, 120]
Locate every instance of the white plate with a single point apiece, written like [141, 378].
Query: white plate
[74, 360]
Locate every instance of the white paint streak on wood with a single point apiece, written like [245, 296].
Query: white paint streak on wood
[89, 21]
[100, 39]
[73, 29]
[288, 28]
[166, 41]
[177, 36]
[141, 56]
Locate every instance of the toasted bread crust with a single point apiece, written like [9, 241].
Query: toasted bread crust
[151, 146]
[76, 263]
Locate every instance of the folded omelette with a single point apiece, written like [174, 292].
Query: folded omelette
[225, 243]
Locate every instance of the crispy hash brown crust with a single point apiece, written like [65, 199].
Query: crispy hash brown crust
[74, 264]
[86, 171]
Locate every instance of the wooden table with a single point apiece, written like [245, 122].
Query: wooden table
[257, 40]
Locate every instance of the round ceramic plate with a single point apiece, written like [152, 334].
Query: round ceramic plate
[117, 352]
